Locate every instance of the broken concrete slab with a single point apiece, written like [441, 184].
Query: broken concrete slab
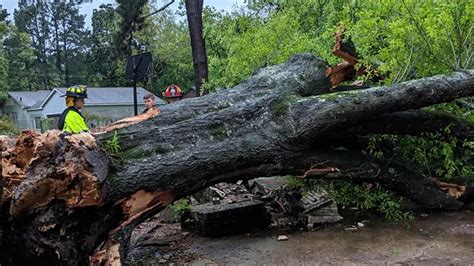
[318, 209]
[321, 216]
[222, 192]
[312, 200]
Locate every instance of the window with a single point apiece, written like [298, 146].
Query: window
[38, 122]
[14, 117]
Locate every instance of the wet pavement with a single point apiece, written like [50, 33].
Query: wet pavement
[438, 238]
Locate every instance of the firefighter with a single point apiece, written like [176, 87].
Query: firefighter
[71, 120]
[173, 93]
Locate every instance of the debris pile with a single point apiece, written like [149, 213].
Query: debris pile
[229, 208]
[311, 209]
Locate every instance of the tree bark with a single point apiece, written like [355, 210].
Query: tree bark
[194, 15]
[66, 202]
[419, 123]
[416, 123]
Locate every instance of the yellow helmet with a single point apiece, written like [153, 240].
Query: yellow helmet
[78, 91]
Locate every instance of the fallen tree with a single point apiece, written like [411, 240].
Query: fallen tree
[68, 201]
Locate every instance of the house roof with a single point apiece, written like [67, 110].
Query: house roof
[96, 96]
[29, 99]
[113, 95]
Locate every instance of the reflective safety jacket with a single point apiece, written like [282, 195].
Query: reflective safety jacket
[72, 121]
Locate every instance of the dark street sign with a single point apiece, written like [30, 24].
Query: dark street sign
[138, 66]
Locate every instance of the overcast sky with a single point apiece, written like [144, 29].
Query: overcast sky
[89, 5]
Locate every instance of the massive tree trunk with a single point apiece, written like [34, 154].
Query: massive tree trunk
[66, 202]
[194, 15]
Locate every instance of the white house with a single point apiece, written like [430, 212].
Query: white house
[41, 109]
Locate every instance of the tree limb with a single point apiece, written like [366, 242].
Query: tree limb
[413, 123]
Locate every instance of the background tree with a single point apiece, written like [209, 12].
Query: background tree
[168, 41]
[194, 15]
[131, 14]
[3, 15]
[163, 35]
[3, 64]
[33, 19]
[103, 63]
[69, 39]
[21, 59]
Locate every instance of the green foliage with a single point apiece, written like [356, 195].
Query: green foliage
[47, 124]
[104, 65]
[180, 206]
[366, 197]
[47, 45]
[272, 42]
[296, 182]
[405, 39]
[20, 55]
[112, 145]
[131, 14]
[6, 126]
[3, 14]
[432, 155]
[3, 64]
[3, 76]
[3, 96]
[68, 42]
[371, 198]
[414, 39]
[465, 112]
[32, 19]
[168, 41]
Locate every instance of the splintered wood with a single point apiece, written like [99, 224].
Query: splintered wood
[141, 202]
[453, 190]
[346, 70]
[318, 170]
[16, 155]
[132, 207]
[109, 255]
[39, 168]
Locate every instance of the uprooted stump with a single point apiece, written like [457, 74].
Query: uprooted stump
[67, 202]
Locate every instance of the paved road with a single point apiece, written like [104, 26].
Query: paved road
[436, 239]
